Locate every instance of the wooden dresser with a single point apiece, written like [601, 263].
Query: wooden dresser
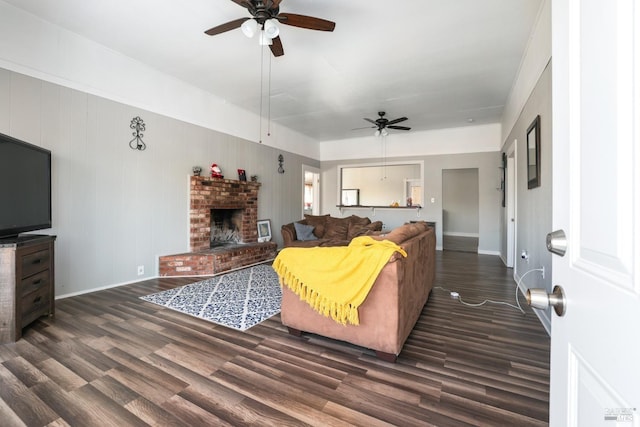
[27, 285]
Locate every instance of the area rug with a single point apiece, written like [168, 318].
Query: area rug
[239, 300]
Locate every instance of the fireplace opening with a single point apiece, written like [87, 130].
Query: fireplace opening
[226, 227]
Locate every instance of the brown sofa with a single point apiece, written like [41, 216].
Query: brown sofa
[393, 305]
[328, 230]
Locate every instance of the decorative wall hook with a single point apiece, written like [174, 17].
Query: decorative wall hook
[280, 163]
[137, 143]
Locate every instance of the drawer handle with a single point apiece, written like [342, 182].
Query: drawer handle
[37, 261]
[37, 300]
[37, 282]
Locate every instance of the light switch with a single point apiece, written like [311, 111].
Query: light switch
[433, 200]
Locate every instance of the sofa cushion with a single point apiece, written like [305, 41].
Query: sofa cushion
[336, 228]
[318, 222]
[356, 226]
[358, 229]
[304, 232]
[405, 232]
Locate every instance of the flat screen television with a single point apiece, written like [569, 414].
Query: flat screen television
[25, 187]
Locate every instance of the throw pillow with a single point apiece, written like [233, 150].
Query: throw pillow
[304, 232]
[317, 221]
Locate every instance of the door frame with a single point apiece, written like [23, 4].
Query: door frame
[511, 203]
[315, 209]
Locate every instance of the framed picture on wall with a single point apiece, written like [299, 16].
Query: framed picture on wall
[533, 154]
[264, 230]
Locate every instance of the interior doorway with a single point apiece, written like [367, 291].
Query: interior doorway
[460, 210]
[310, 190]
[510, 208]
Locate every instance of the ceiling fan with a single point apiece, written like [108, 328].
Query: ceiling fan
[265, 14]
[382, 124]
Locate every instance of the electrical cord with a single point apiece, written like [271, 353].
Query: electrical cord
[457, 296]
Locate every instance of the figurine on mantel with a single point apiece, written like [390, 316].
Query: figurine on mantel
[216, 172]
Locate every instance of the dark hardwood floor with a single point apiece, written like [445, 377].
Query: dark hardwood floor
[111, 359]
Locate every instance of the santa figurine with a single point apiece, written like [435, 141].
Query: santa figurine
[216, 172]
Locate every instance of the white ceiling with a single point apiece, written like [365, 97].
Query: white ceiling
[438, 62]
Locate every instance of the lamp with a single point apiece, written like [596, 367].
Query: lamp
[382, 132]
[271, 30]
[249, 27]
[265, 40]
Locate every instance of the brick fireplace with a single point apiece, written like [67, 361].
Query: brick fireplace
[208, 196]
[211, 193]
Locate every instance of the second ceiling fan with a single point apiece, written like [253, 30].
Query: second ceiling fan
[382, 123]
[265, 14]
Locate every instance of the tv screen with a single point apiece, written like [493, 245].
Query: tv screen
[25, 187]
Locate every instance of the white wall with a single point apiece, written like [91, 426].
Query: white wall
[468, 139]
[115, 208]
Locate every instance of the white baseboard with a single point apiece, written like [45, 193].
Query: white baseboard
[485, 252]
[102, 288]
[457, 234]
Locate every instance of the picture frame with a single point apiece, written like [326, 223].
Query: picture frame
[350, 197]
[242, 175]
[533, 154]
[264, 230]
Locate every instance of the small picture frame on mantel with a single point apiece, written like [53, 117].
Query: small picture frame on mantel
[264, 230]
[242, 175]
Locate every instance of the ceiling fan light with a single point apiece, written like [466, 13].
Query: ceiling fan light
[271, 30]
[264, 40]
[377, 133]
[384, 132]
[249, 27]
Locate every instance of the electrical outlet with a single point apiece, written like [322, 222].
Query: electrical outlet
[140, 270]
[542, 268]
[455, 295]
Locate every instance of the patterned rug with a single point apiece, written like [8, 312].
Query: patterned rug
[239, 300]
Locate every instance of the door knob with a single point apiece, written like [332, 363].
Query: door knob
[538, 298]
[557, 242]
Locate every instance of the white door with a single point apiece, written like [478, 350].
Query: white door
[511, 208]
[595, 346]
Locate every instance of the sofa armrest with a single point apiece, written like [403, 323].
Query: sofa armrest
[288, 234]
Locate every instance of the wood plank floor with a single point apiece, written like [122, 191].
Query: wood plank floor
[111, 359]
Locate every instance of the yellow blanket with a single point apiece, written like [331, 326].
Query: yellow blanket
[335, 280]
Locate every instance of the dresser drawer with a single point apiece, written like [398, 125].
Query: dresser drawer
[34, 282]
[35, 304]
[35, 262]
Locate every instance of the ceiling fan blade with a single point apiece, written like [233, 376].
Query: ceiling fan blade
[371, 121]
[232, 25]
[244, 3]
[276, 47]
[401, 119]
[275, 4]
[366, 127]
[399, 127]
[304, 21]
